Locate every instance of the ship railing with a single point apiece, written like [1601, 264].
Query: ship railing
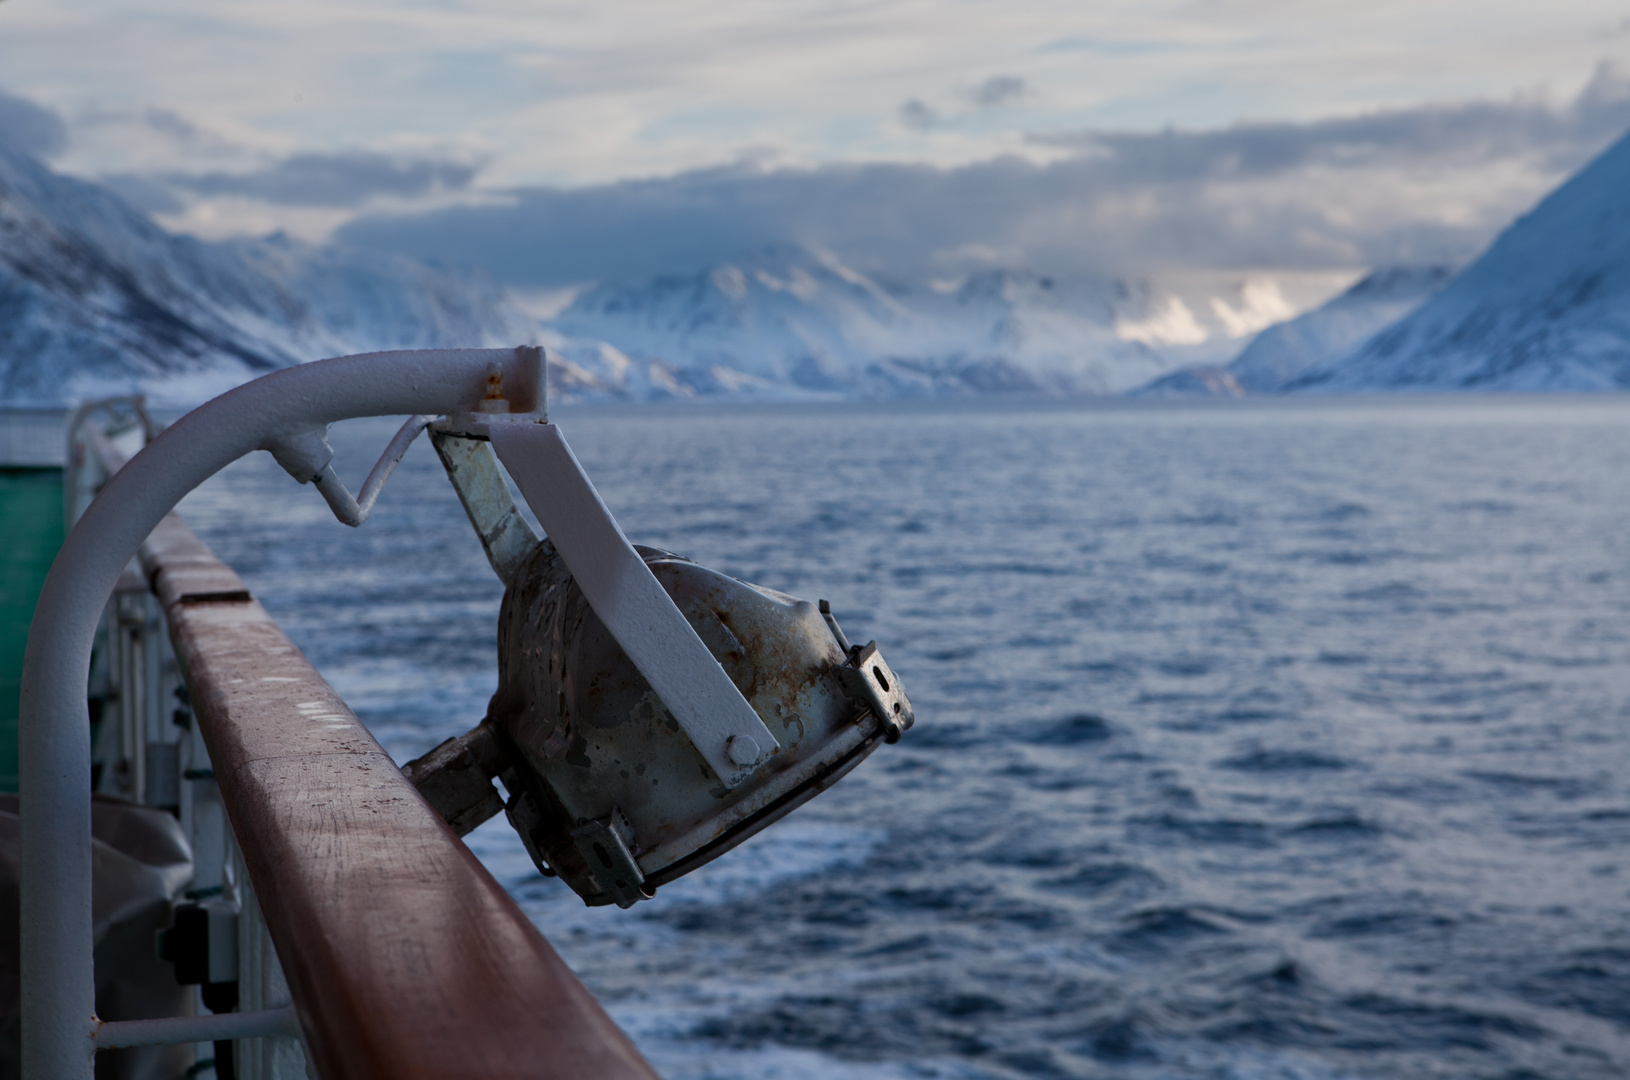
[365, 939]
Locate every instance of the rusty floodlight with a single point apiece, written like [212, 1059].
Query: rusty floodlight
[631, 756]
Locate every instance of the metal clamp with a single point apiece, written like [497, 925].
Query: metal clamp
[603, 843]
[867, 678]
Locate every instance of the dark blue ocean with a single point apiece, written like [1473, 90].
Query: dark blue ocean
[1272, 741]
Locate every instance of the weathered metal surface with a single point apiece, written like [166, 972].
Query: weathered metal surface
[868, 679]
[403, 955]
[505, 535]
[599, 746]
[181, 569]
[456, 778]
[832, 625]
[604, 845]
[630, 602]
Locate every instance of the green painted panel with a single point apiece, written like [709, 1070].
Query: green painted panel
[30, 533]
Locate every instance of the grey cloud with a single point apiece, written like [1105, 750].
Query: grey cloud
[999, 90]
[1398, 186]
[917, 116]
[144, 193]
[155, 125]
[175, 126]
[995, 92]
[1444, 134]
[30, 128]
[331, 180]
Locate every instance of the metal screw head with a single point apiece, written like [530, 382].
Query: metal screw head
[741, 750]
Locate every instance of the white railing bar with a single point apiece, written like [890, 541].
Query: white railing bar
[216, 1027]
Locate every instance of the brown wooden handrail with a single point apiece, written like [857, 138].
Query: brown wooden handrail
[403, 955]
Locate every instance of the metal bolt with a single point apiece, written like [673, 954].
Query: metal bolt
[741, 750]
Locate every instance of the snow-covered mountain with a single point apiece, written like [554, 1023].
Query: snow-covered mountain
[1547, 307]
[790, 319]
[1284, 351]
[96, 299]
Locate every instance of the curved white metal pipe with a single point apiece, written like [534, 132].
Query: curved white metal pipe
[57, 975]
[354, 511]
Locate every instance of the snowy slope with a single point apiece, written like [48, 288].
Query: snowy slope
[789, 319]
[1286, 350]
[1547, 307]
[96, 299]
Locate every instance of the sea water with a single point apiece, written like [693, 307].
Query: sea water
[1269, 741]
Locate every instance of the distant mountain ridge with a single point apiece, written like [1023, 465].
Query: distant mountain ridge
[789, 318]
[1284, 352]
[1546, 307]
[95, 299]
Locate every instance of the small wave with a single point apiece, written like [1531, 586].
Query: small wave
[967, 652]
[1346, 511]
[1214, 830]
[916, 943]
[1185, 564]
[1097, 878]
[1038, 641]
[1594, 981]
[1393, 592]
[1431, 1026]
[1077, 729]
[1566, 788]
[957, 1006]
[1346, 827]
[682, 1059]
[1210, 520]
[793, 849]
[944, 736]
[1378, 923]
[1160, 928]
[1273, 761]
[1157, 697]
[1284, 975]
[1184, 666]
[1425, 790]
[1482, 506]
[1120, 1039]
[1027, 857]
[1475, 716]
[1344, 557]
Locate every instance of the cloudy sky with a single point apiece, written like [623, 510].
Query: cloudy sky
[555, 141]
